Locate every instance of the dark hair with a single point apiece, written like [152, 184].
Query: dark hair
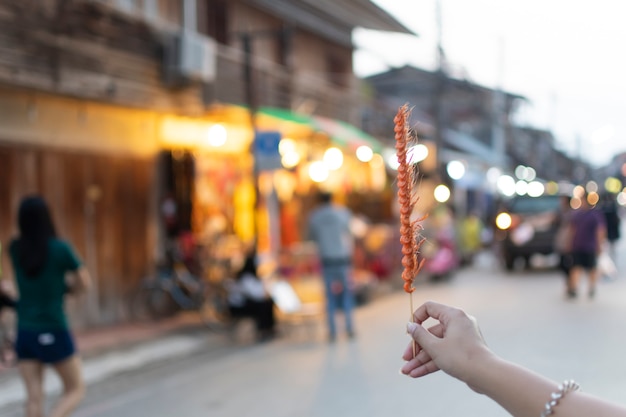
[324, 197]
[36, 229]
[249, 266]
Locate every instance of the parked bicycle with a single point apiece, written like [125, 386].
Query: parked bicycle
[175, 288]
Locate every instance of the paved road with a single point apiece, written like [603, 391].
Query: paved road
[524, 317]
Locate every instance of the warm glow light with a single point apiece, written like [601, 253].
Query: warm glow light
[578, 191]
[613, 185]
[455, 169]
[333, 158]
[503, 221]
[442, 193]
[621, 199]
[575, 203]
[377, 161]
[552, 188]
[290, 159]
[286, 145]
[318, 171]
[593, 198]
[364, 153]
[216, 135]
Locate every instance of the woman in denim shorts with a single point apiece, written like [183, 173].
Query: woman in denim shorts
[41, 262]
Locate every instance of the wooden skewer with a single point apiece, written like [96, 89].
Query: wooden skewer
[412, 319]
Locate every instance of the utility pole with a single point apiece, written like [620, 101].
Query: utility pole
[251, 101]
[438, 96]
[251, 97]
[498, 137]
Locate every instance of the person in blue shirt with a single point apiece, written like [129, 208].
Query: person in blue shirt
[329, 228]
[41, 262]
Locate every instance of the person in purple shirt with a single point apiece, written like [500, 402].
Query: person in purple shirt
[588, 232]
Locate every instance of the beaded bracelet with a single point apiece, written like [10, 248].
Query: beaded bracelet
[564, 388]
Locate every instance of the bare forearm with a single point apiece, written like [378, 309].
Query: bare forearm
[81, 281]
[524, 393]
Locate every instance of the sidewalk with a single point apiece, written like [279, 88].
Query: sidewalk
[107, 351]
[110, 350]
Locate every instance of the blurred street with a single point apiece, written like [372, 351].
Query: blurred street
[178, 150]
[523, 315]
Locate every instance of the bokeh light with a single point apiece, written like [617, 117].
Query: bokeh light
[442, 193]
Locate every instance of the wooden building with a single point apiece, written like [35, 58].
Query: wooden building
[103, 102]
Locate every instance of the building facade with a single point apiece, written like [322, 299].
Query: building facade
[114, 109]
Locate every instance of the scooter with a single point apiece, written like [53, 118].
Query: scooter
[441, 256]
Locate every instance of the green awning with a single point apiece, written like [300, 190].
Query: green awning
[345, 134]
[340, 132]
[286, 115]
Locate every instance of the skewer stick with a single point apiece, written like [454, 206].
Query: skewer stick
[412, 319]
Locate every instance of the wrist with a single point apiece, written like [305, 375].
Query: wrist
[482, 364]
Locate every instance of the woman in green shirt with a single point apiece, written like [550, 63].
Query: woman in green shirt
[41, 261]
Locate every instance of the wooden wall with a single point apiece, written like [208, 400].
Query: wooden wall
[103, 204]
[87, 50]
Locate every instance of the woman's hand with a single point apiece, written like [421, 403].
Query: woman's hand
[453, 345]
[80, 282]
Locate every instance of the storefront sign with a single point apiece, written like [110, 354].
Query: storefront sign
[266, 150]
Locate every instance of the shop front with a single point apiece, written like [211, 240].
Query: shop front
[236, 201]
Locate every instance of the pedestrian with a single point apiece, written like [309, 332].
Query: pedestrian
[329, 227]
[470, 237]
[41, 262]
[563, 239]
[456, 346]
[248, 297]
[613, 222]
[588, 233]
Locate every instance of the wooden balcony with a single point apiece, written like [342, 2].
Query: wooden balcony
[274, 86]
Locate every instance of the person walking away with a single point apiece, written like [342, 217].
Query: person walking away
[41, 262]
[613, 222]
[248, 297]
[329, 228]
[588, 230]
[562, 239]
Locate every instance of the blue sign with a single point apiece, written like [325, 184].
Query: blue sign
[266, 150]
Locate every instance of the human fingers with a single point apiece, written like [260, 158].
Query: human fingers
[409, 352]
[424, 369]
[432, 309]
[426, 338]
[420, 365]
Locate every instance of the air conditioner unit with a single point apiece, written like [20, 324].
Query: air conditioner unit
[189, 56]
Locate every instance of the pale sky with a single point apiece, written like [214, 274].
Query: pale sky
[566, 57]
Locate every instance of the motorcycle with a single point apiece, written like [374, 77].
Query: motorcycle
[441, 255]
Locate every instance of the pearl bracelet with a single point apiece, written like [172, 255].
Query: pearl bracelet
[564, 388]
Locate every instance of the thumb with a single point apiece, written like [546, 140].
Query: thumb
[420, 334]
